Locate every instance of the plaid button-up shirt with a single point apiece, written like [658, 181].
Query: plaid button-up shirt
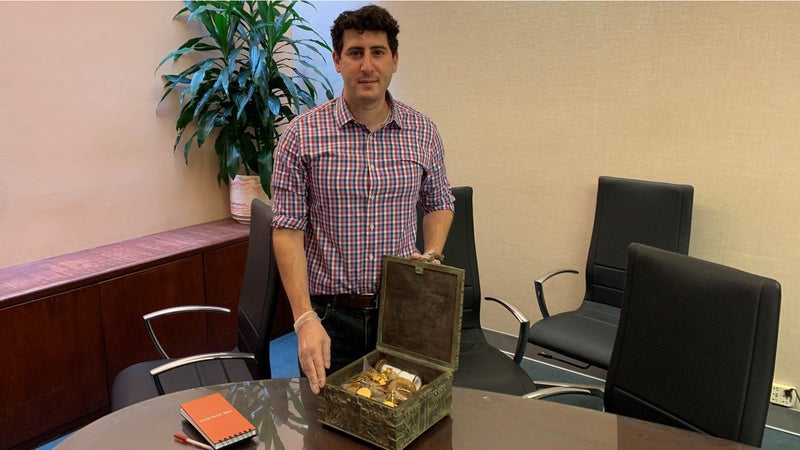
[355, 192]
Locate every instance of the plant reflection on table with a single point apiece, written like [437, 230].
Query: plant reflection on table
[276, 409]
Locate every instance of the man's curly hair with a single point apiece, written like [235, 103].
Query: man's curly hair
[368, 18]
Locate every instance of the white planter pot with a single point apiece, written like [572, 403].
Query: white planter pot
[243, 189]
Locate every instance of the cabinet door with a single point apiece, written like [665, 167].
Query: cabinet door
[224, 271]
[126, 299]
[53, 371]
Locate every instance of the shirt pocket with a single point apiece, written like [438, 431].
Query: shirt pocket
[401, 177]
[335, 175]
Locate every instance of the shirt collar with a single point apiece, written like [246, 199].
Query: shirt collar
[343, 115]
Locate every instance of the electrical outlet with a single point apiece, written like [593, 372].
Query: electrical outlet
[782, 395]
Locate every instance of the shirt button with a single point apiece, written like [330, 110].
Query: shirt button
[371, 257]
[372, 167]
[372, 227]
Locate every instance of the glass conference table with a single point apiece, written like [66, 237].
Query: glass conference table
[285, 413]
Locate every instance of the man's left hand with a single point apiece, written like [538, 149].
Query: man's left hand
[429, 257]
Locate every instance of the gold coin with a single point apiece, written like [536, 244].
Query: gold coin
[364, 392]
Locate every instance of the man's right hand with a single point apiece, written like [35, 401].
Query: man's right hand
[314, 353]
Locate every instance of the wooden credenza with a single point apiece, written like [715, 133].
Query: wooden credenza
[69, 324]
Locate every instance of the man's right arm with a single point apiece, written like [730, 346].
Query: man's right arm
[313, 343]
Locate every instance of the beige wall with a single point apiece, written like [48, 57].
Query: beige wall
[86, 161]
[534, 102]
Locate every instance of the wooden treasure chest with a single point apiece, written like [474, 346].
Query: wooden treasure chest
[419, 331]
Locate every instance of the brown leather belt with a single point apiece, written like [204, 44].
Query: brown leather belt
[354, 301]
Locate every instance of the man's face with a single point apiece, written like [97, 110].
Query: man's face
[366, 65]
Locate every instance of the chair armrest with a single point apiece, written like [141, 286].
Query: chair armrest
[539, 288]
[565, 388]
[524, 326]
[180, 362]
[175, 310]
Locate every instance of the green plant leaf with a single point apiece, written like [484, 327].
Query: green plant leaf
[265, 170]
[246, 82]
[255, 57]
[232, 160]
[200, 11]
[183, 49]
[290, 86]
[243, 100]
[197, 78]
[185, 118]
[204, 47]
[205, 123]
[186, 147]
[274, 105]
[248, 153]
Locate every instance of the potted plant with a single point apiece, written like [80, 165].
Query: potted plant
[245, 85]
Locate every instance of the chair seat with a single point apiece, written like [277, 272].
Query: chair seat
[627, 210]
[586, 334]
[476, 355]
[134, 384]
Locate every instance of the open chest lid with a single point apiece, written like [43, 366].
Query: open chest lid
[420, 311]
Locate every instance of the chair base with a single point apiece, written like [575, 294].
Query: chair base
[476, 355]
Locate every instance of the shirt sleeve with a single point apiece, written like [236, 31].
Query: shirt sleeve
[435, 192]
[289, 183]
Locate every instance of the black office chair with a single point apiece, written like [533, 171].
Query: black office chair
[480, 365]
[250, 359]
[651, 213]
[695, 347]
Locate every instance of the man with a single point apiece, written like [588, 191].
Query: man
[347, 178]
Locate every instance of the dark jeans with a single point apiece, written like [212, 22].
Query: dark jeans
[353, 332]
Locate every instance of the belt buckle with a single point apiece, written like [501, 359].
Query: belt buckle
[371, 298]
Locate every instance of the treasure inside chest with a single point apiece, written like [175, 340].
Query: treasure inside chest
[419, 330]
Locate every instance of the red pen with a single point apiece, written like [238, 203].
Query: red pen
[188, 441]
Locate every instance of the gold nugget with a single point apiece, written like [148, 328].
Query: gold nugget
[389, 385]
[401, 390]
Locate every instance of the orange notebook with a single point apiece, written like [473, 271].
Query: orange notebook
[217, 420]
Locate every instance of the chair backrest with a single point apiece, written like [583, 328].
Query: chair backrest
[459, 251]
[259, 292]
[651, 213]
[695, 346]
